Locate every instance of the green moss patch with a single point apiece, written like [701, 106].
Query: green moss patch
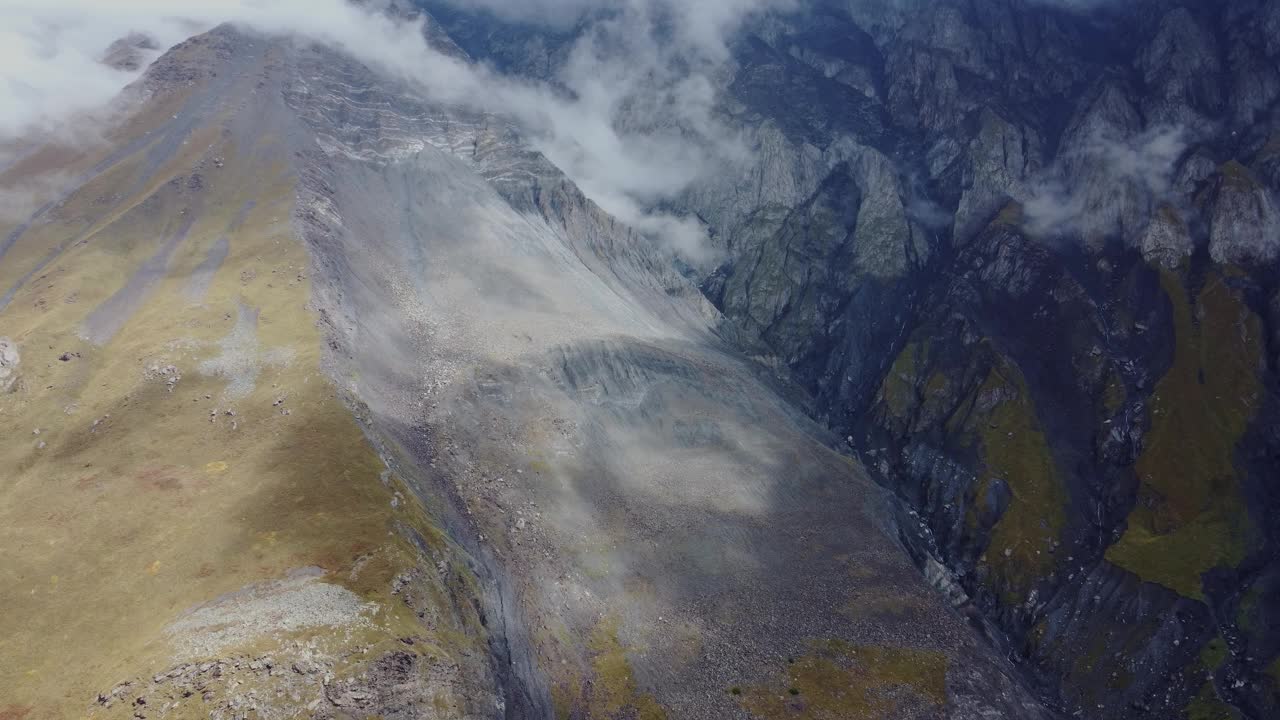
[1237, 176]
[613, 692]
[1113, 395]
[1206, 705]
[898, 390]
[1190, 516]
[1273, 673]
[850, 682]
[1014, 448]
[1214, 653]
[1010, 215]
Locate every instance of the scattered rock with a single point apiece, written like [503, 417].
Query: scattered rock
[281, 606]
[9, 359]
[170, 374]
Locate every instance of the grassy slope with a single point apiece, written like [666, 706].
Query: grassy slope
[111, 532]
[1190, 516]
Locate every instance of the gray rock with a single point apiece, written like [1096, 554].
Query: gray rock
[9, 360]
[1110, 204]
[884, 243]
[1181, 68]
[1166, 241]
[1001, 160]
[1244, 220]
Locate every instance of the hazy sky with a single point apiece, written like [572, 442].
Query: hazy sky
[53, 83]
[51, 80]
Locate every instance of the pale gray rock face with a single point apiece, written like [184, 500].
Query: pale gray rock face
[1105, 110]
[1110, 205]
[1181, 68]
[838, 69]
[885, 242]
[780, 173]
[776, 294]
[1167, 240]
[783, 174]
[1195, 169]
[925, 91]
[1253, 60]
[130, 53]
[1002, 159]
[1244, 220]
[9, 359]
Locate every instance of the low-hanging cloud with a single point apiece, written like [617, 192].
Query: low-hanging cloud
[631, 121]
[1081, 194]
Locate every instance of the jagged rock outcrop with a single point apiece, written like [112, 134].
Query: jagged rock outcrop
[999, 164]
[1180, 67]
[130, 53]
[9, 359]
[1167, 239]
[1244, 223]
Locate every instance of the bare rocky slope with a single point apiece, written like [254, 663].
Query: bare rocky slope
[323, 400]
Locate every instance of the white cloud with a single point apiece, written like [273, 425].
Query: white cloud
[636, 126]
[1102, 178]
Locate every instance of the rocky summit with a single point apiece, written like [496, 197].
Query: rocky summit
[332, 389]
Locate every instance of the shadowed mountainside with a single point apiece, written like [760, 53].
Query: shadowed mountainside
[1021, 255]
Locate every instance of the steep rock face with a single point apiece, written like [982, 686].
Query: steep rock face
[998, 164]
[1252, 54]
[1244, 224]
[839, 260]
[1167, 240]
[1036, 314]
[1105, 204]
[1014, 445]
[1180, 66]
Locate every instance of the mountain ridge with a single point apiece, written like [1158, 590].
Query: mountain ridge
[355, 404]
[376, 413]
